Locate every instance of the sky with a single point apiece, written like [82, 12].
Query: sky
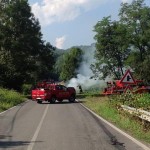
[67, 23]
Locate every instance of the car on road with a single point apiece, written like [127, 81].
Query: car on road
[51, 92]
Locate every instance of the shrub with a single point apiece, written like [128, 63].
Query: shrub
[132, 100]
[26, 88]
[9, 98]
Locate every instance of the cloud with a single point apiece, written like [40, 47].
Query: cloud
[59, 42]
[49, 11]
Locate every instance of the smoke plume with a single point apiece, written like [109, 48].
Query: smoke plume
[85, 73]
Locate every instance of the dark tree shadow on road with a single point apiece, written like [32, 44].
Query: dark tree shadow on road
[12, 144]
[6, 136]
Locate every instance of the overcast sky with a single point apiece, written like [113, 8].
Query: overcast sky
[67, 23]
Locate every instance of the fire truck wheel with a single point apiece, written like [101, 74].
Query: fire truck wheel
[39, 102]
[53, 100]
[72, 99]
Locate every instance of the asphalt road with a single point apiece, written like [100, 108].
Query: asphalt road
[60, 126]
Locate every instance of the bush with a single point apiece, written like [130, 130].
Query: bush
[133, 100]
[26, 89]
[9, 98]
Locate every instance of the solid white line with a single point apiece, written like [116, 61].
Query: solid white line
[30, 147]
[117, 129]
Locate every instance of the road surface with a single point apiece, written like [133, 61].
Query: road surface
[60, 126]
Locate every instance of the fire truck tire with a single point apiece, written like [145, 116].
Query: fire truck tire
[72, 99]
[53, 100]
[39, 102]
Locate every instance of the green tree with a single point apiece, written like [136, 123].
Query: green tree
[58, 65]
[22, 45]
[111, 48]
[137, 18]
[70, 63]
[46, 62]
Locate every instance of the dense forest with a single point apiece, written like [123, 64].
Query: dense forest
[26, 58]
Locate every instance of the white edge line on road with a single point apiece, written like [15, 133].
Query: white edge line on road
[30, 147]
[117, 129]
[13, 107]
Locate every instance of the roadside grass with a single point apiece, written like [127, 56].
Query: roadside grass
[91, 93]
[129, 123]
[9, 98]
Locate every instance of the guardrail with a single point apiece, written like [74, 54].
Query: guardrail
[145, 115]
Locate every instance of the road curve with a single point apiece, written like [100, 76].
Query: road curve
[60, 126]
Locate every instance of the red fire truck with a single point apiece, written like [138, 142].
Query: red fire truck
[48, 91]
[116, 87]
[127, 83]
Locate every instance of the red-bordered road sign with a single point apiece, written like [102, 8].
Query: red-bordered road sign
[127, 78]
[128, 89]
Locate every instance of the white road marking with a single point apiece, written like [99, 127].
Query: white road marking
[117, 129]
[30, 147]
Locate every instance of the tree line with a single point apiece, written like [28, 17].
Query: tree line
[124, 43]
[25, 57]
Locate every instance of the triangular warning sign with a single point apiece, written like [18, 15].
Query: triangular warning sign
[127, 78]
[128, 90]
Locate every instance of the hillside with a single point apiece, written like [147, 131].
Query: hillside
[87, 49]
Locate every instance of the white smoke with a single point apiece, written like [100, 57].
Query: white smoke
[85, 73]
[86, 83]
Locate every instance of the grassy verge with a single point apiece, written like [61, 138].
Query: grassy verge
[9, 98]
[103, 107]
